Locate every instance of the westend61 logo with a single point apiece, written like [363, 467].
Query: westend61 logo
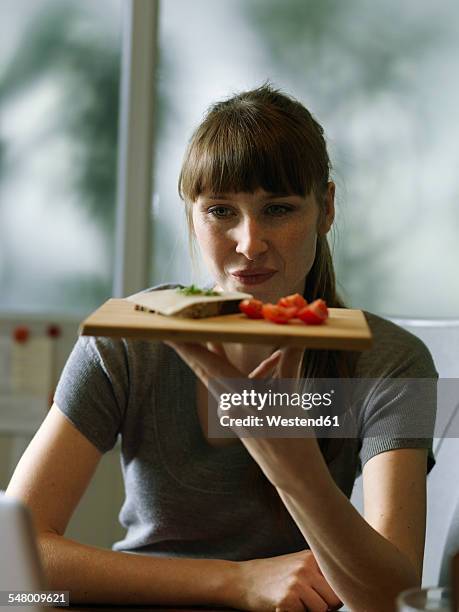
[269, 399]
[283, 412]
[333, 407]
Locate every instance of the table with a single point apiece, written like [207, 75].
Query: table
[113, 608]
[128, 608]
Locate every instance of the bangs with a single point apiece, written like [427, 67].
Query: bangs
[243, 150]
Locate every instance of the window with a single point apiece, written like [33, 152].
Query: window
[379, 79]
[59, 81]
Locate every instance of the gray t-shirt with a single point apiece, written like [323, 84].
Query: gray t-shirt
[184, 497]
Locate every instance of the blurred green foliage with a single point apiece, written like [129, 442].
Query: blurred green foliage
[347, 50]
[339, 57]
[85, 60]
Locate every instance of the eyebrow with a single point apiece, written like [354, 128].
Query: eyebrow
[266, 197]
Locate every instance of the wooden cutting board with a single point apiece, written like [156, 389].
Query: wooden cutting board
[345, 329]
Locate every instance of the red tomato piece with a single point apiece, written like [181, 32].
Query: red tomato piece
[315, 313]
[252, 308]
[295, 300]
[278, 314]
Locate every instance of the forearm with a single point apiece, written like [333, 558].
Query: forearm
[103, 576]
[364, 569]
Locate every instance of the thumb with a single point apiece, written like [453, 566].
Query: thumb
[266, 366]
[217, 348]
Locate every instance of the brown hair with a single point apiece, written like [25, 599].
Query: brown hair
[258, 138]
[266, 139]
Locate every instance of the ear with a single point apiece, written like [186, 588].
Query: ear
[329, 212]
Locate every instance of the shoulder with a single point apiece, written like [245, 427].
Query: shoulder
[395, 352]
[390, 419]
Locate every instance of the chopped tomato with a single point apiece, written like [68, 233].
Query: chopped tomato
[278, 314]
[288, 307]
[315, 313]
[252, 308]
[295, 300]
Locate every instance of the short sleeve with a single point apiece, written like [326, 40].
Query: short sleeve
[92, 391]
[401, 409]
[373, 445]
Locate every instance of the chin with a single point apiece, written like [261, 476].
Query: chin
[259, 292]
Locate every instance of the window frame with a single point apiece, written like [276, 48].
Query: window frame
[135, 147]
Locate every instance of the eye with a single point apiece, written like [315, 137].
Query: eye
[278, 210]
[220, 212]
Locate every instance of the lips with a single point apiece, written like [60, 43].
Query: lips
[253, 277]
[253, 272]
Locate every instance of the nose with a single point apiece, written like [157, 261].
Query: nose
[249, 239]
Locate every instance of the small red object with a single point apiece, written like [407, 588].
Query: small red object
[252, 308]
[21, 333]
[315, 313]
[293, 301]
[278, 314]
[54, 331]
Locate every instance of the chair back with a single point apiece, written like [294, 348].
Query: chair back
[442, 535]
[442, 532]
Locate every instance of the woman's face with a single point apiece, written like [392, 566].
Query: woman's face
[260, 243]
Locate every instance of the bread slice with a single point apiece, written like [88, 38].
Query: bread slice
[171, 302]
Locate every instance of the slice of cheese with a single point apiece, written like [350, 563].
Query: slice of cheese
[171, 302]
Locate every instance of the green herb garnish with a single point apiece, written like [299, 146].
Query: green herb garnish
[193, 290]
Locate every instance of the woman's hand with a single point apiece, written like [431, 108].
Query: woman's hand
[289, 583]
[210, 362]
[282, 460]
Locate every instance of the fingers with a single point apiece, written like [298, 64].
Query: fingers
[321, 585]
[204, 363]
[266, 366]
[325, 591]
[217, 348]
[313, 601]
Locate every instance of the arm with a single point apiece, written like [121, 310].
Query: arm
[366, 562]
[50, 479]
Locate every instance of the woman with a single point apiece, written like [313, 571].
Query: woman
[255, 524]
